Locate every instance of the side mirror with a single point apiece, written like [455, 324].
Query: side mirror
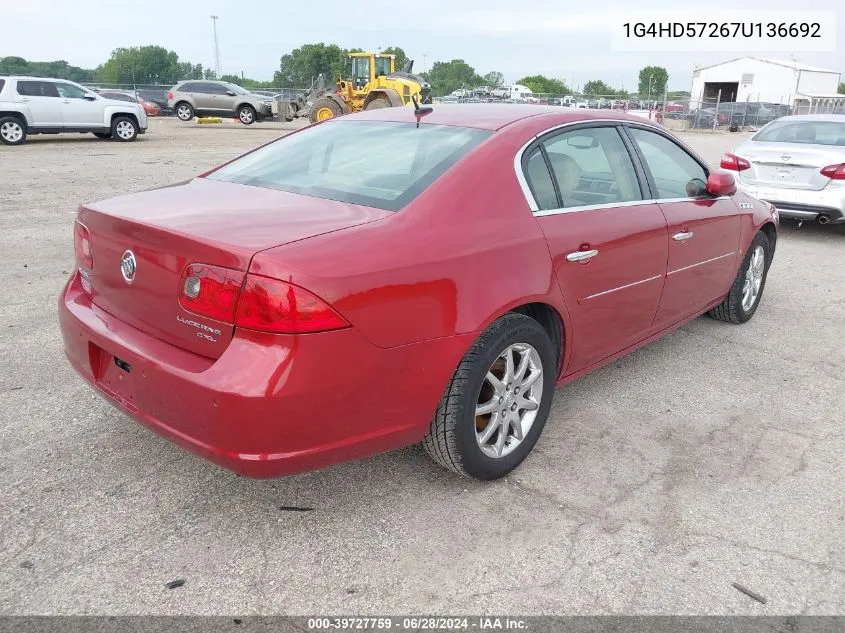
[230, 93]
[721, 183]
[89, 97]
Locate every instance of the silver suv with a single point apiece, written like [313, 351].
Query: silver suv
[35, 105]
[217, 98]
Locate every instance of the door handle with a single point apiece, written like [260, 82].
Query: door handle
[680, 237]
[24, 98]
[65, 100]
[580, 256]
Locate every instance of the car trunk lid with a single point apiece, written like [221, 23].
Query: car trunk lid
[202, 221]
[793, 166]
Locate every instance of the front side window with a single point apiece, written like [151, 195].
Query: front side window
[372, 163]
[360, 71]
[592, 166]
[671, 167]
[382, 66]
[69, 91]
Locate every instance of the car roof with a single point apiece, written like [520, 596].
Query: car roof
[30, 78]
[489, 116]
[836, 118]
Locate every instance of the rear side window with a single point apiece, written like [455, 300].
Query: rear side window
[37, 89]
[590, 166]
[189, 87]
[372, 163]
[671, 166]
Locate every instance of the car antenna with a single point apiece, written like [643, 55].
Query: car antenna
[420, 112]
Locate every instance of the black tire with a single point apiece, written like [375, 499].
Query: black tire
[451, 439]
[12, 130]
[124, 129]
[379, 102]
[731, 309]
[321, 103]
[102, 134]
[247, 115]
[184, 111]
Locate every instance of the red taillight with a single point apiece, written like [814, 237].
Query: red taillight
[211, 291]
[169, 95]
[734, 162]
[834, 172]
[270, 305]
[82, 246]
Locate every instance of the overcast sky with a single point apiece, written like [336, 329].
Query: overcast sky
[514, 37]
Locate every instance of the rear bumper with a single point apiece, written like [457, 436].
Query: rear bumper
[801, 203]
[271, 405]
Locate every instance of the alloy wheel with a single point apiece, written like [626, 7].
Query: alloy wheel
[753, 278]
[246, 116]
[508, 401]
[125, 130]
[183, 112]
[11, 131]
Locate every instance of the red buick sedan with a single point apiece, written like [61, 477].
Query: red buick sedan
[370, 282]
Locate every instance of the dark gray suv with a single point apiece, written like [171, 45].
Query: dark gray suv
[217, 98]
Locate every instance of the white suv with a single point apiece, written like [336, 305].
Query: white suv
[35, 105]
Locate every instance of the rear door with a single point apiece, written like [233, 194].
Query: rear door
[42, 99]
[703, 236]
[607, 240]
[77, 111]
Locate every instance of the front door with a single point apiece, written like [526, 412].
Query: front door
[77, 111]
[221, 100]
[703, 236]
[606, 239]
[42, 100]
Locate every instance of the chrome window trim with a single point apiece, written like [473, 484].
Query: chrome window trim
[706, 261]
[630, 285]
[529, 197]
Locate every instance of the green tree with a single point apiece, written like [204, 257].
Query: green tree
[210, 74]
[540, 84]
[57, 69]
[653, 81]
[494, 79]
[246, 82]
[842, 88]
[401, 57]
[301, 66]
[446, 77]
[141, 65]
[674, 95]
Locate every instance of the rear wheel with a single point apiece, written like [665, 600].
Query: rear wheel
[246, 115]
[379, 102]
[496, 404]
[184, 111]
[12, 131]
[324, 108]
[124, 129]
[741, 302]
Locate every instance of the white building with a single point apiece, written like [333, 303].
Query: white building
[806, 88]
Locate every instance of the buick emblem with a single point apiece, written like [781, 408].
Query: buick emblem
[128, 266]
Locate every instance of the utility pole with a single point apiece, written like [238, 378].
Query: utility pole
[214, 19]
[424, 64]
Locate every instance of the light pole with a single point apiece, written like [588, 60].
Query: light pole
[214, 19]
[424, 65]
[650, 77]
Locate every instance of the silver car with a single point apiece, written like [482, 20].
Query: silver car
[798, 164]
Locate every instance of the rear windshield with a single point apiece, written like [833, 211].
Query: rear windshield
[372, 163]
[813, 132]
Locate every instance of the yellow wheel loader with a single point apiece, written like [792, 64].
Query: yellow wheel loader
[375, 83]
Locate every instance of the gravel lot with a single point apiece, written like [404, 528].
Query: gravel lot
[713, 456]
